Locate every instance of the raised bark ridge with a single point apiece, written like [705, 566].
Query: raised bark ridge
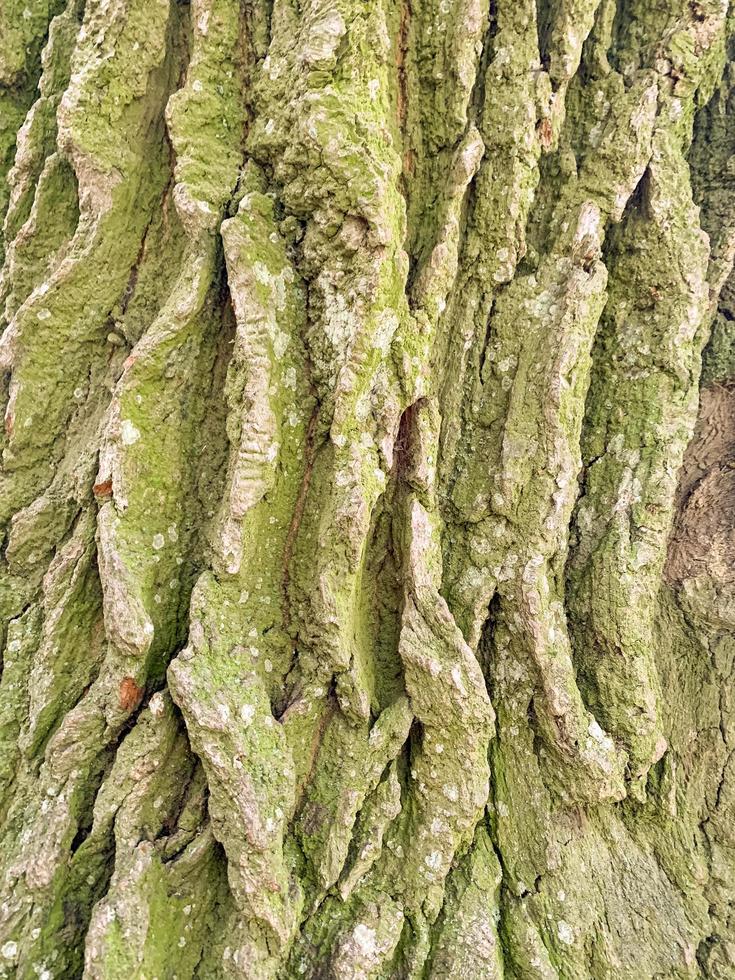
[367, 570]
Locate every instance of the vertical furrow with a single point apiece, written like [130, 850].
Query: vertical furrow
[150, 518]
[156, 909]
[536, 383]
[23, 30]
[60, 360]
[40, 174]
[649, 355]
[239, 651]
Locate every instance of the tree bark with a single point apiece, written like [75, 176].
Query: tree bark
[367, 497]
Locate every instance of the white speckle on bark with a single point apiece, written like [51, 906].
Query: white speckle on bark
[156, 705]
[433, 860]
[10, 950]
[128, 433]
[457, 680]
[565, 932]
[324, 38]
[595, 731]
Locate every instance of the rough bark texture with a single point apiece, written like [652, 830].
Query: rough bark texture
[368, 573]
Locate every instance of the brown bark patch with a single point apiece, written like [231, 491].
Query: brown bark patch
[103, 489]
[703, 537]
[130, 694]
[545, 134]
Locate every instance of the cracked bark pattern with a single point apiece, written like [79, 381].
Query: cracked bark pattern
[367, 584]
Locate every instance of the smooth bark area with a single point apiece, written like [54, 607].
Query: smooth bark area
[367, 583]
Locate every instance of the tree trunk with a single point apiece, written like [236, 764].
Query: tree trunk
[368, 502]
